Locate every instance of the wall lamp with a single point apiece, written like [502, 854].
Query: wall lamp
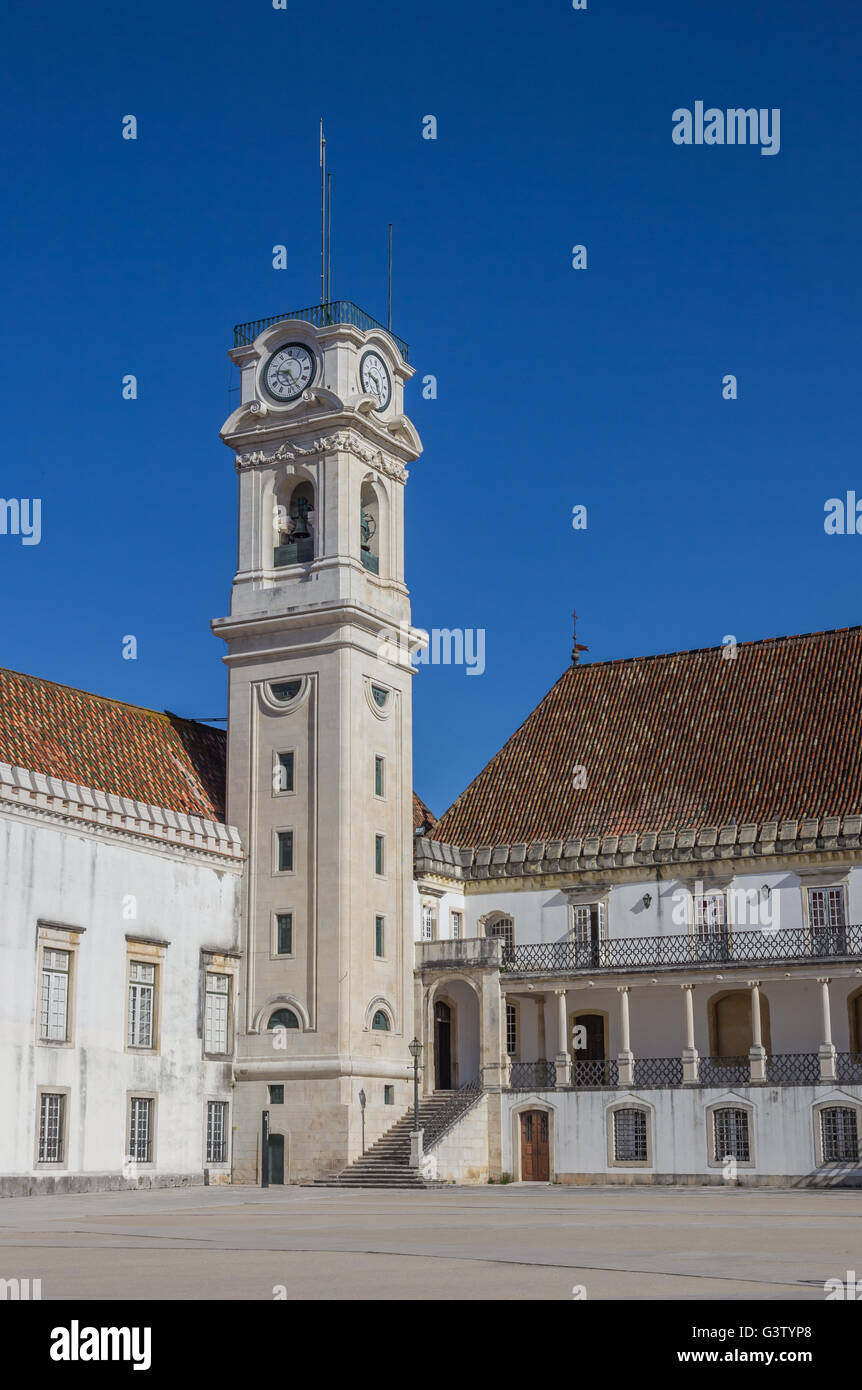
[646, 899]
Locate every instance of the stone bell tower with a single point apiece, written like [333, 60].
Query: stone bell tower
[319, 737]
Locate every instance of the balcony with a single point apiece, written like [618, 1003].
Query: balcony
[684, 951]
[661, 1073]
[321, 316]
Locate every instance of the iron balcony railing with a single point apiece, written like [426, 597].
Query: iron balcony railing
[683, 950]
[321, 316]
[657, 1073]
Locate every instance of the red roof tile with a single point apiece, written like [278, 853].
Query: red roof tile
[422, 817]
[139, 753]
[689, 739]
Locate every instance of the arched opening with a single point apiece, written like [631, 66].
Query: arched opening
[283, 1018]
[294, 525]
[730, 1032]
[455, 1034]
[380, 1022]
[369, 528]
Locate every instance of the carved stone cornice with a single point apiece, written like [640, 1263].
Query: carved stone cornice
[342, 442]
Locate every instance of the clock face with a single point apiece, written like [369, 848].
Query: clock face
[375, 380]
[289, 371]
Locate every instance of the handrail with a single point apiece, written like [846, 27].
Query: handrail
[463, 1100]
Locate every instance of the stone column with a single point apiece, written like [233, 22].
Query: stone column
[690, 1059]
[563, 1061]
[757, 1054]
[505, 1059]
[625, 1057]
[828, 1071]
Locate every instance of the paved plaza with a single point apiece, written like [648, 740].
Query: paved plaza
[515, 1242]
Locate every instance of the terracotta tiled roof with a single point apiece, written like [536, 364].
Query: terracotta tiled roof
[685, 740]
[422, 817]
[139, 753]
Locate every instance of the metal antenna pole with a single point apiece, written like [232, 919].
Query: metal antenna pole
[322, 214]
[329, 240]
[389, 313]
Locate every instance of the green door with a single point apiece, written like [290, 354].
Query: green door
[276, 1159]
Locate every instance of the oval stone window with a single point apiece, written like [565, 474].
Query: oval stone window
[284, 691]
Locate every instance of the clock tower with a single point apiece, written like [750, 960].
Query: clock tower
[319, 738]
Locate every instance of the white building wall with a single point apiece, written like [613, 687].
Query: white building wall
[782, 1128]
[112, 885]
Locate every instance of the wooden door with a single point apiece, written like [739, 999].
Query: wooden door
[442, 1047]
[535, 1148]
[594, 1026]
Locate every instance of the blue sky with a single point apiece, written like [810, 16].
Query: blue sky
[556, 387]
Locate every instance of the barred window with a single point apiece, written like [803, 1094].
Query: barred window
[826, 907]
[730, 1128]
[140, 1129]
[216, 1131]
[511, 1030]
[51, 1117]
[142, 989]
[502, 930]
[839, 1133]
[55, 996]
[630, 1135]
[216, 1014]
[457, 922]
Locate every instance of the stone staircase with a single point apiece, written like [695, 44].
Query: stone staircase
[387, 1162]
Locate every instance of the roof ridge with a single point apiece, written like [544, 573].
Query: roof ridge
[696, 651]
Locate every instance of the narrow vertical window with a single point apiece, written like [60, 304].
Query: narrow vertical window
[55, 996]
[284, 772]
[140, 1129]
[285, 850]
[378, 854]
[142, 990]
[378, 936]
[427, 924]
[388, 1095]
[457, 925]
[284, 933]
[217, 1131]
[51, 1117]
[511, 1030]
[216, 1013]
[379, 774]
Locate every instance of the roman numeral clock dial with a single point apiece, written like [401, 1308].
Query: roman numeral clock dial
[288, 372]
[375, 380]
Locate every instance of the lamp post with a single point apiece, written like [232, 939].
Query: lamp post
[362, 1099]
[415, 1049]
